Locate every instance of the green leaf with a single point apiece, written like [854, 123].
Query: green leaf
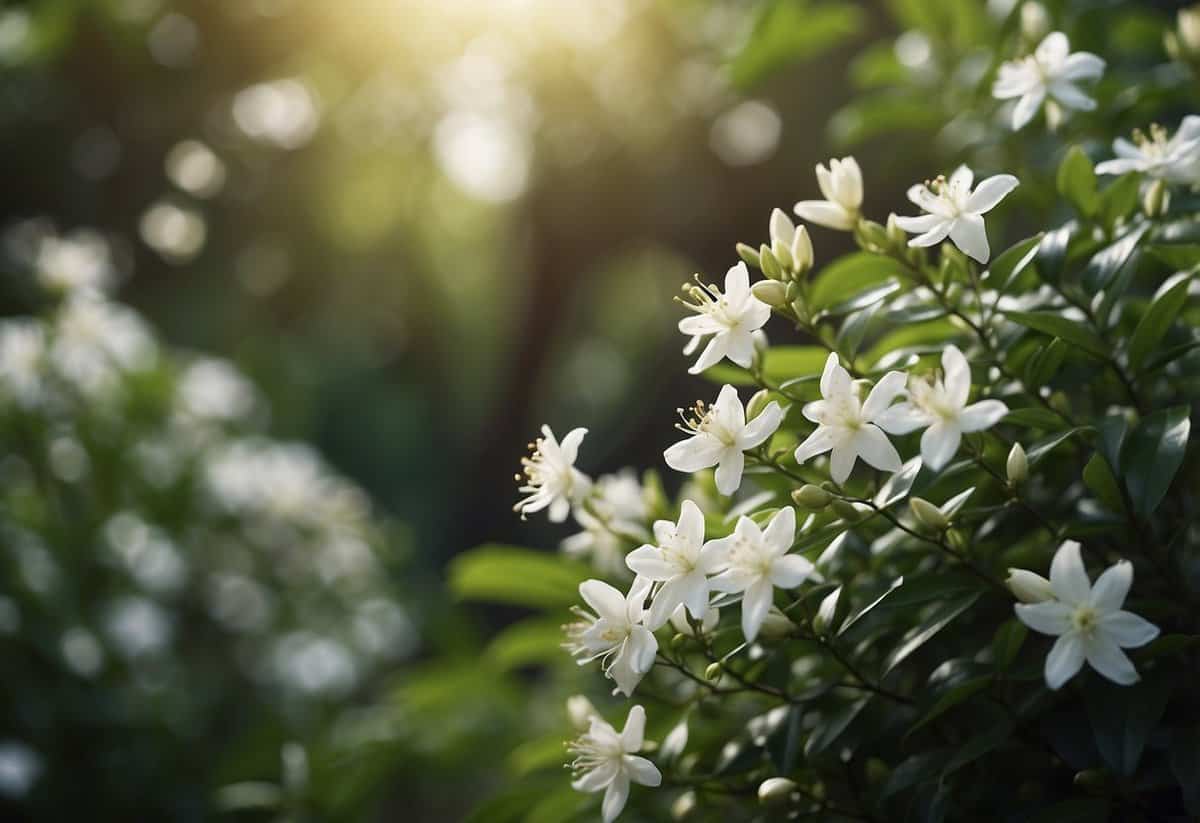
[1007, 642]
[1052, 251]
[1184, 758]
[850, 274]
[1098, 477]
[1033, 417]
[1055, 325]
[854, 329]
[1124, 717]
[833, 726]
[1009, 265]
[517, 576]
[1045, 363]
[780, 363]
[1112, 431]
[922, 634]
[952, 698]
[899, 484]
[1153, 455]
[1108, 261]
[1179, 256]
[1168, 301]
[863, 299]
[899, 581]
[527, 642]
[1119, 198]
[1077, 181]
[788, 31]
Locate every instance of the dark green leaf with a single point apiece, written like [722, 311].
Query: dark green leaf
[1052, 251]
[951, 699]
[854, 329]
[1153, 455]
[899, 484]
[832, 727]
[1123, 718]
[1181, 256]
[788, 31]
[1045, 363]
[1112, 431]
[1120, 198]
[866, 609]
[1009, 265]
[922, 634]
[1055, 325]
[522, 577]
[849, 275]
[1164, 308]
[1007, 642]
[1184, 757]
[1077, 181]
[1034, 417]
[1108, 261]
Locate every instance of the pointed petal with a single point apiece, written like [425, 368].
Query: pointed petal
[920, 195]
[737, 283]
[700, 324]
[648, 562]
[642, 647]
[642, 771]
[982, 415]
[712, 354]
[606, 602]
[962, 178]
[1106, 657]
[1071, 96]
[1122, 166]
[597, 779]
[1027, 107]
[902, 418]
[1108, 595]
[1068, 577]
[1048, 617]
[559, 509]
[1053, 49]
[848, 182]
[780, 533]
[634, 733]
[695, 453]
[939, 443]
[919, 225]
[760, 428]
[824, 213]
[956, 375]
[1081, 65]
[783, 230]
[728, 411]
[990, 192]
[885, 391]
[970, 235]
[834, 379]
[614, 797]
[729, 471]
[874, 447]
[934, 236]
[739, 345]
[1128, 630]
[755, 604]
[691, 524]
[841, 461]
[1064, 661]
[790, 571]
[695, 594]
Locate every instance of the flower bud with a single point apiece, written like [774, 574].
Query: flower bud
[713, 672]
[928, 515]
[683, 806]
[1029, 587]
[580, 711]
[749, 255]
[871, 235]
[769, 263]
[757, 403]
[802, 251]
[1035, 21]
[1156, 199]
[678, 641]
[896, 235]
[812, 497]
[826, 611]
[760, 341]
[776, 624]
[845, 510]
[771, 292]
[1188, 30]
[1017, 466]
[775, 790]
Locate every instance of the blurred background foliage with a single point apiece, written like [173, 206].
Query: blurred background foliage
[419, 228]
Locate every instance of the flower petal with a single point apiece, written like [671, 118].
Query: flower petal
[1053, 49]
[939, 443]
[1027, 107]
[761, 427]
[919, 225]
[874, 447]
[691, 524]
[962, 178]
[756, 602]
[649, 563]
[615, 796]
[835, 380]
[990, 192]
[1128, 630]
[1064, 661]
[841, 461]
[569, 448]
[1122, 166]
[1106, 657]
[596, 779]
[889, 387]
[902, 418]
[729, 471]
[696, 453]
[1108, 594]
[790, 571]
[1048, 617]
[982, 415]
[1068, 576]
[642, 647]
[1071, 96]
[727, 410]
[737, 283]
[642, 771]
[634, 733]
[956, 375]
[606, 602]
[824, 213]
[935, 235]
[712, 354]
[1081, 65]
[780, 533]
[970, 235]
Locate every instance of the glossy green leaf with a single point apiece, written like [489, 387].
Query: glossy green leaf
[1077, 181]
[1168, 301]
[832, 727]
[517, 576]
[1034, 417]
[960, 693]
[863, 299]
[527, 642]
[1008, 265]
[1073, 331]
[1184, 759]
[780, 364]
[1045, 363]
[1120, 198]
[1124, 717]
[922, 634]
[899, 484]
[854, 329]
[1181, 256]
[1007, 642]
[1153, 455]
[1108, 261]
[788, 31]
[849, 275]
[1098, 477]
[865, 610]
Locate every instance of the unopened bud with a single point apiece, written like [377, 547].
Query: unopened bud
[812, 497]
[1017, 466]
[748, 255]
[768, 263]
[826, 611]
[678, 640]
[1029, 587]
[771, 292]
[580, 711]
[1156, 199]
[713, 672]
[928, 514]
[1189, 29]
[775, 790]
[761, 343]
[896, 235]
[845, 510]
[757, 403]
[871, 235]
[802, 251]
[683, 806]
[776, 624]
[783, 253]
[1035, 21]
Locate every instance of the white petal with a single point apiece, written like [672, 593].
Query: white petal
[1014, 80]
[956, 375]
[605, 601]
[934, 236]
[634, 732]
[1064, 661]
[712, 354]
[642, 771]
[696, 453]
[920, 195]
[834, 379]
[939, 443]
[790, 571]
[597, 778]
[732, 581]
[1108, 594]
[649, 563]
[970, 235]
[642, 647]
[1048, 617]
[885, 391]
[560, 507]
[755, 604]
[1027, 107]
[691, 524]
[695, 594]
[874, 447]
[1070, 96]
[1068, 576]
[614, 797]
[699, 325]
[739, 345]
[902, 418]
[990, 192]
[1123, 166]
[780, 533]
[847, 178]
[1053, 49]
[962, 178]
[782, 229]
[729, 471]
[737, 283]
[825, 182]
[841, 461]
[1128, 630]
[982, 415]
[666, 600]
[728, 411]
[761, 427]
[1106, 657]
[1081, 65]
[919, 225]
[824, 213]
[714, 554]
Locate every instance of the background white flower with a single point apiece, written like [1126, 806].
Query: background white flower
[1088, 620]
[680, 563]
[607, 761]
[790, 244]
[731, 318]
[614, 635]
[756, 561]
[956, 211]
[842, 186]
[720, 436]
[679, 621]
[1050, 72]
[551, 479]
[941, 406]
[846, 426]
[1175, 159]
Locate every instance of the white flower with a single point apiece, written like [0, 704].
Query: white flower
[1029, 587]
[956, 211]
[551, 479]
[22, 351]
[614, 635]
[730, 318]
[1051, 71]
[1087, 620]
[720, 436]
[79, 263]
[680, 564]
[605, 760]
[756, 561]
[940, 407]
[790, 245]
[1175, 160]
[611, 517]
[680, 622]
[842, 186]
[847, 426]
[95, 339]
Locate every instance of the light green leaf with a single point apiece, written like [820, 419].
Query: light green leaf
[518, 576]
[788, 31]
[527, 642]
[780, 364]
[1055, 325]
[1009, 264]
[1077, 181]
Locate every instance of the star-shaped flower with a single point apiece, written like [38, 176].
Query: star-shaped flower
[956, 211]
[1050, 72]
[846, 426]
[720, 436]
[607, 761]
[940, 407]
[1174, 160]
[730, 318]
[680, 563]
[842, 186]
[614, 635]
[551, 479]
[1088, 620]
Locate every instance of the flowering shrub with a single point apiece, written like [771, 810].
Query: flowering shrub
[174, 581]
[936, 558]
